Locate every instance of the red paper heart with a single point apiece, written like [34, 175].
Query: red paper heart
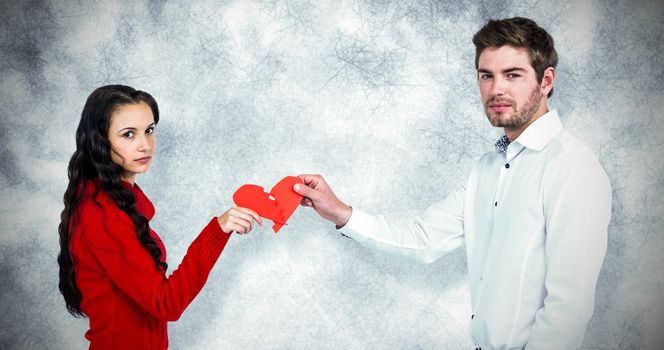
[278, 209]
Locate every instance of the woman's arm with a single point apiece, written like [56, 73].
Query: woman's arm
[114, 246]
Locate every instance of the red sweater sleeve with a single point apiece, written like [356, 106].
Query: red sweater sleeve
[111, 241]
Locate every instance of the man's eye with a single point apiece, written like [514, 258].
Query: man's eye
[149, 130]
[485, 76]
[128, 134]
[512, 75]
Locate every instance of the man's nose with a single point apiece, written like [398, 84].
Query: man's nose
[498, 86]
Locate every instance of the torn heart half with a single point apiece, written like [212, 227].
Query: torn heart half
[278, 205]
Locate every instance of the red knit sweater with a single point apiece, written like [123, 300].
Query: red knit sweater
[127, 299]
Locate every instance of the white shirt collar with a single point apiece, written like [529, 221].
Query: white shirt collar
[538, 134]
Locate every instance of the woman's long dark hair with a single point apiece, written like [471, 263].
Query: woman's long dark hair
[92, 162]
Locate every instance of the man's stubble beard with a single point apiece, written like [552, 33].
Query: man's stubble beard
[521, 116]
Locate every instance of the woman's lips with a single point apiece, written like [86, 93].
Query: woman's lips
[144, 160]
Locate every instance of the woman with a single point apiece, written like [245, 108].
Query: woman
[112, 265]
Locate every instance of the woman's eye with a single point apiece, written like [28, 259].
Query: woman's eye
[149, 130]
[128, 134]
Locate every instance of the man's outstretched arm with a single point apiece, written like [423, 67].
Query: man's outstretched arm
[424, 238]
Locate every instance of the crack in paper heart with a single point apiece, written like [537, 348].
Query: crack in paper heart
[278, 205]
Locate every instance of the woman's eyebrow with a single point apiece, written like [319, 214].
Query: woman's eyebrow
[129, 128]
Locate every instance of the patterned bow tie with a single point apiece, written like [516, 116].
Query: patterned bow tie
[502, 143]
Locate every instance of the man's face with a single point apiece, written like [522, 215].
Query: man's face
[510, 92]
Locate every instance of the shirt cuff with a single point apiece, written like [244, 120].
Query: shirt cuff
[360, 225]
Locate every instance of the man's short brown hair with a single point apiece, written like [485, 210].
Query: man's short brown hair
[519, 32]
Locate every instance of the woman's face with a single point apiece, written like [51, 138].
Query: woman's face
[132, 138]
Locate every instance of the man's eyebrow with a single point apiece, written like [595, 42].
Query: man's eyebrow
[514, 69]
[508, 70]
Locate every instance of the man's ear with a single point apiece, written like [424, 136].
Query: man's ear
[547, 81]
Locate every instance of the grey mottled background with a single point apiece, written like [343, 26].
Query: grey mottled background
[379, 96]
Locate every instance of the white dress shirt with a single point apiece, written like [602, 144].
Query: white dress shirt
[534, 222]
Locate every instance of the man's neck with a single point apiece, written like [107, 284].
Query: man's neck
[514, 133]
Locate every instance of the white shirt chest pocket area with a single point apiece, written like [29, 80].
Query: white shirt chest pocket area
[519, 216]
[518, 201]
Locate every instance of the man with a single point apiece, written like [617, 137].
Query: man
[533, 214]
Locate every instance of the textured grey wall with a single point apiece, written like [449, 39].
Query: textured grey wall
[379, 96]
